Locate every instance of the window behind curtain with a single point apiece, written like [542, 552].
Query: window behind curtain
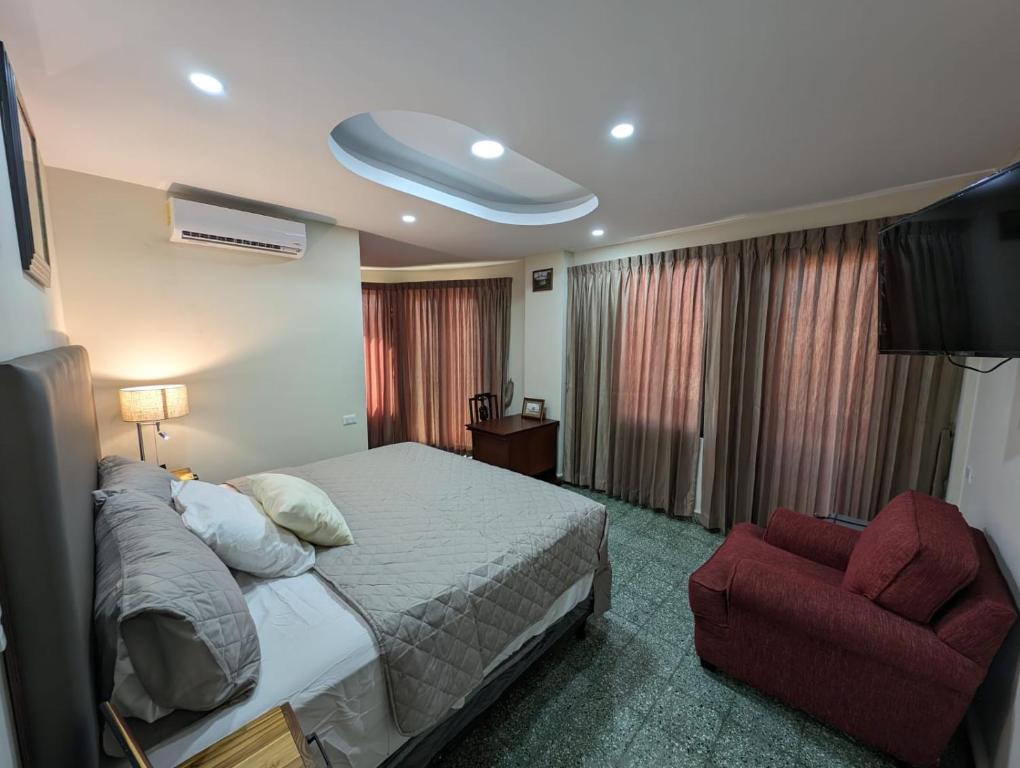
[635, 355]
[428, 348]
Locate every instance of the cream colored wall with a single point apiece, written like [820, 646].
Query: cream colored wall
[513, 269]
[270, 348]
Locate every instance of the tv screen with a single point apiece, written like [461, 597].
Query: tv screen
[949, 275]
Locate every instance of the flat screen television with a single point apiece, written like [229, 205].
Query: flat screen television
[949, 275]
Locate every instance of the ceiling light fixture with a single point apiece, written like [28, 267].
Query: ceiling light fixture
[598, 232]
[206, 83]
[487, 149]
[622, 131]
[409, 218]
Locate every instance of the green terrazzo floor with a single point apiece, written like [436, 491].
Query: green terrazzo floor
[633, 693]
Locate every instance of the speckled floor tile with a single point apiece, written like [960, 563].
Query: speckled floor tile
[702, 687]
[652, 747]
[821, 745]
[597, 735]
[478, 748]
[766, 719]
[736, 748]
[633, 694]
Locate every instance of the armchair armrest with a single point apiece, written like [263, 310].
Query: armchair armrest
[809, 537]
[841, 619]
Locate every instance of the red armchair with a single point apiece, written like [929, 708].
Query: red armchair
[813, 614]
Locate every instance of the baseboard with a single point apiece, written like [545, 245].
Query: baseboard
[977, 741]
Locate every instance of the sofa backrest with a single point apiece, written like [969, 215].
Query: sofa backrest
[976, 621]
[914, 556]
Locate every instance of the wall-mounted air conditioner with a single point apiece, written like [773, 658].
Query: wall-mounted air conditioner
[202, 224]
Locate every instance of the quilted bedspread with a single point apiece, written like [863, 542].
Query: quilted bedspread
[452, 560]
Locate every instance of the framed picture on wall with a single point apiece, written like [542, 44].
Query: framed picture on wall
[27, 175]
[541, 279]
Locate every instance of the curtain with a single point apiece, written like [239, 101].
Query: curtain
[800, 409]
[428, 348]
[634, 384]
[771, 346]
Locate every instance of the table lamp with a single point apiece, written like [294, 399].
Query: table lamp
[151, 405]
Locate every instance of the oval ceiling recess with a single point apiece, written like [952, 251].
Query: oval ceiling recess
[430, 157]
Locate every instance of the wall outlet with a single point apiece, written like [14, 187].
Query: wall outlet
[350, 418]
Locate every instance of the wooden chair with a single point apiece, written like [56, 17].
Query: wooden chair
[483, 407]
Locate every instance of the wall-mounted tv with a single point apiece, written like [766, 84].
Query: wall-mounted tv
[949, 275]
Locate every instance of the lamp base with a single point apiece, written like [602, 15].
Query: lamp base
[141, 440]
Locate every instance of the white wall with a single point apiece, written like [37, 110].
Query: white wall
[892, 202]
[31, 317]
[270, 348]
[985, 482]
[513, 269]
[545, 326]
[31, 320]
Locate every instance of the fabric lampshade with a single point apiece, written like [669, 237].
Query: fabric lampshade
[157, 402]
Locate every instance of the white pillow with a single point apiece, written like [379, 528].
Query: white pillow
[239, 532]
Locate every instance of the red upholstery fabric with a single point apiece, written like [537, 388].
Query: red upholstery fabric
[913, 557]
[784, 623]
[976, 624]
[817, 540]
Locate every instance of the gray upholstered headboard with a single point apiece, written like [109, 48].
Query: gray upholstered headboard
[49, 447]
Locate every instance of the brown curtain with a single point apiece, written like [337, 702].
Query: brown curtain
[634, 384]
[800, 409]
[428, 348]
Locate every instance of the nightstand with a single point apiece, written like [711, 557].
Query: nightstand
[272, 740]
[183, 473]
[517, 443]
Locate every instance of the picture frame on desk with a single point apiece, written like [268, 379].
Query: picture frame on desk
[533, 408]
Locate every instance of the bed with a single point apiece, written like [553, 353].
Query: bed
[357, 678]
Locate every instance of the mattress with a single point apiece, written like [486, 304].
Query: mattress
[453, 560]
[318, 654]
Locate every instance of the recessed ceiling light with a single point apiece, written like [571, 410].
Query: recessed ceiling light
[598, 232]
[487, 149]
[622, 131]
[206, 83]
[409, 218]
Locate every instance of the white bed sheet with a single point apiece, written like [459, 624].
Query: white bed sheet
[319, 655]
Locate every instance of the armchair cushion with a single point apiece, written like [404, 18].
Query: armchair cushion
[913, 557]
[817, 540]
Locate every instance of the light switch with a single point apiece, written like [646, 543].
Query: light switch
[350, 418]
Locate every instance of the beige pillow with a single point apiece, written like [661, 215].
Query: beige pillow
[299, 506]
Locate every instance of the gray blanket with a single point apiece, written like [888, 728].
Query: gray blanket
[452, 560]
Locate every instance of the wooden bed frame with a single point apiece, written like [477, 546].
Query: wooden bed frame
[49, 450]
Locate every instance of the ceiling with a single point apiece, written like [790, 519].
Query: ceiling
[740, 106]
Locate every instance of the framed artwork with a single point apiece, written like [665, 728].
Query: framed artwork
[28, 177]
[541, 279]
[533, 408]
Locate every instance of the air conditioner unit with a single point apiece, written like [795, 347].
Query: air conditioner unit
[203, 224]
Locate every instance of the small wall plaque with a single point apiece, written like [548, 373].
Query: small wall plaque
[541, 279]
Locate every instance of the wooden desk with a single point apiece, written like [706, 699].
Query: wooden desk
[523, 445]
